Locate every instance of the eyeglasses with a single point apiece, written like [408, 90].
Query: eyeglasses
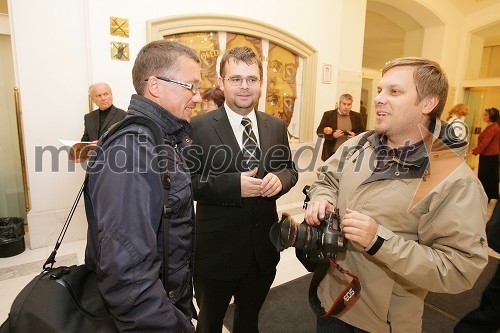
[193, 87]
[238, 80]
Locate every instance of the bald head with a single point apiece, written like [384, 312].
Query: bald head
[101, 95]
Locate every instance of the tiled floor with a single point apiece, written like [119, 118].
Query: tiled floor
[17, 271]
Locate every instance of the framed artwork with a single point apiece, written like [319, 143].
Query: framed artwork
[282, 81]
[119, 51]
[118, 27]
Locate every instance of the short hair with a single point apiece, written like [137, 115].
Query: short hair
[241, 53]
[461, 110]
[159, 57]
[429, 78]
[98, 84]
[346, 96]
[214, 94]
[492, 114]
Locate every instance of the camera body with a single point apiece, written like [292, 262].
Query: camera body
[333, 239]
[316, 243]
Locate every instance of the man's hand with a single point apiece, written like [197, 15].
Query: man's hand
[338, 133]
[271, 185]
[250, 186]
[316, 211]
[359, 228]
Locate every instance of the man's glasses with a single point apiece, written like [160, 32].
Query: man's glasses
[193, 87]
[238, 80]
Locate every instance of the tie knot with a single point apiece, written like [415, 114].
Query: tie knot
[246, 122]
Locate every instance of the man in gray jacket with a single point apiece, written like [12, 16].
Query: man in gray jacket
[412, 210]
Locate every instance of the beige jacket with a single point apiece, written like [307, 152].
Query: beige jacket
[432, 222]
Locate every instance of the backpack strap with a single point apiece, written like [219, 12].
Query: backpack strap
[137, 120]
[160, 143]
[362, 142]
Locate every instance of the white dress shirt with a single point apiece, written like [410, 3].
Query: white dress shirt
[235, 121]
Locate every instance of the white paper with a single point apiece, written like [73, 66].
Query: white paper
[70, 143]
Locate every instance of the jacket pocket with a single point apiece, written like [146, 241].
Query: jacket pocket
[179, 282]
[206, 226]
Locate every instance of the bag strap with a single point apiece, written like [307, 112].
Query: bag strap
[352, 291]
[346, 298]
[162, 153]
[51, 260]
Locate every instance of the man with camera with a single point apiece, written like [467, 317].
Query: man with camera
[412, 212]
[338, 125]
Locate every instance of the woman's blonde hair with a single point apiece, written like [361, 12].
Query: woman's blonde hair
[460, 110]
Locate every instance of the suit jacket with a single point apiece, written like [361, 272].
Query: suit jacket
[91, 121]
[231, 229]
[330, 120]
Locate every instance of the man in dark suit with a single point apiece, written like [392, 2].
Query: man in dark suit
[236, 201]
[338, 125]
[98, 121]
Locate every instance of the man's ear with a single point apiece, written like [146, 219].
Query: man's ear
[220, 81]
[429, 103]
[152, 88]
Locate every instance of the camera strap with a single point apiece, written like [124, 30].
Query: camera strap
[346, 298]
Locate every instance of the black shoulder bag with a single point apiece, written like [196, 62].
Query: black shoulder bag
[67, 299]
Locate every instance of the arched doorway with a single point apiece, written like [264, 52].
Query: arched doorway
[175, 26]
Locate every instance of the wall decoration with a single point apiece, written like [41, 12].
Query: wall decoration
[119, 51]
[282, 67]
[206, 45]
[118, 26]
[282, 79]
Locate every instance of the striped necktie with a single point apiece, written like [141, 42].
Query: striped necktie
[250, 148]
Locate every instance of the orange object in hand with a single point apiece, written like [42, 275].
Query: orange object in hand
[328, 130]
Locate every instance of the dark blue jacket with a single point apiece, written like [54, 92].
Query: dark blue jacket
[124, 206]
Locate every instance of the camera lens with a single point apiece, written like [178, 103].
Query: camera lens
[299, 235]
[317, 243]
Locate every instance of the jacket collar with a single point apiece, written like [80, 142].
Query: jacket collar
[175, 130]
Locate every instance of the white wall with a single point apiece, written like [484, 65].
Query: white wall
[62, 46]
[57, 60]
[50, 54]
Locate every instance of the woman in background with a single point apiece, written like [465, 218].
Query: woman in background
[456, 118]
[212, 99]
[489, 150]
[458, 112]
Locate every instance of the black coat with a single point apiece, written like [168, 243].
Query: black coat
[330, 120]
[91, 123]
[231, 229]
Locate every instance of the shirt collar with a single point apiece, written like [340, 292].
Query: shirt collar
[235, 118]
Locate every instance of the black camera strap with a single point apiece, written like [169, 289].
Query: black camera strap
[346, 298]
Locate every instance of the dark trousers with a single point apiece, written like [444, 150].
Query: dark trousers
[334, 325]
[213, 298]
[486, 318]
[488, 175]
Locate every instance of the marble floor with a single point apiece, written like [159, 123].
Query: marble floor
[17, 271]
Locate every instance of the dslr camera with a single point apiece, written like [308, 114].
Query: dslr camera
[319, 243]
